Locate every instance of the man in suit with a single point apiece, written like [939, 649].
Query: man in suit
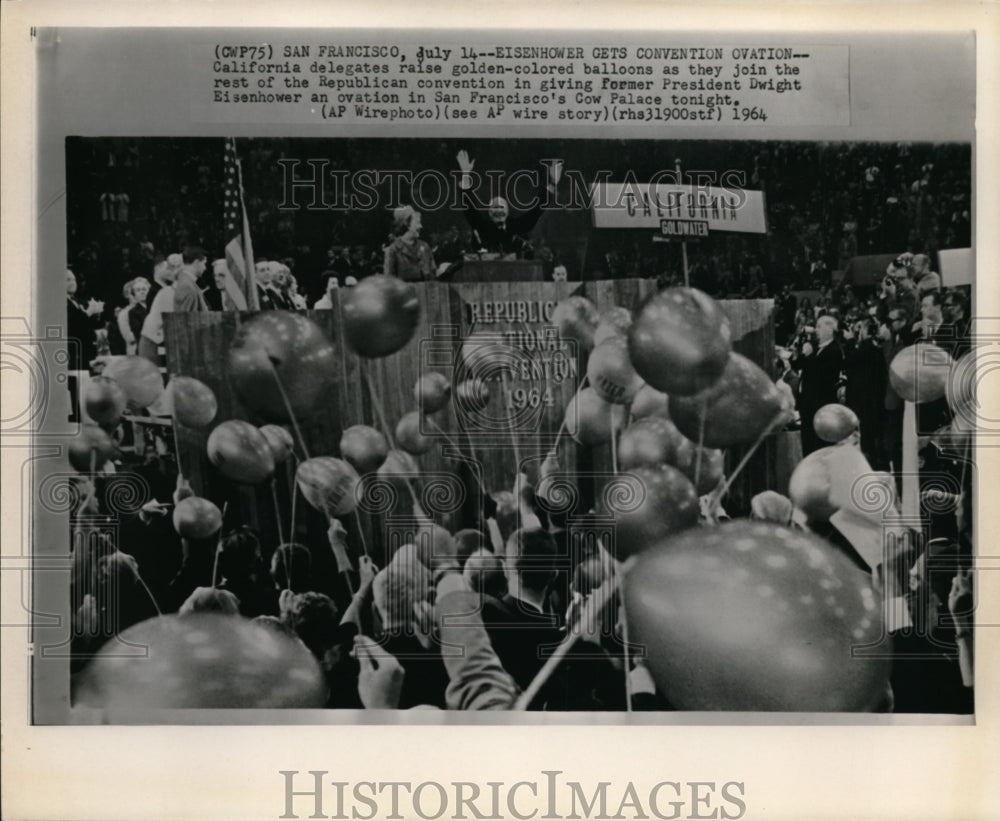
[497, 230]
[187, 295]
[820, 372]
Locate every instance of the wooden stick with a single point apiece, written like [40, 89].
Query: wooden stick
[380, 413]
[778, 417]
[361, 534]
[623, 615]
[288, 409]
[701, 441]
[277, 510]
[218, 545]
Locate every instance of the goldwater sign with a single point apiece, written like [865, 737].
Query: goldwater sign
[678, 210]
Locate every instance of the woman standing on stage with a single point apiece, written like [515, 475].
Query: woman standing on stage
[407, 256]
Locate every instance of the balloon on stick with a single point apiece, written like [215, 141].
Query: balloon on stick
[432, 392]
[647, 443]
[197, 518]
[919, 373]
[105, 400]
[577, 320]
[380, 315]
[281, 364]
[610, 371]
[279, 441]
[756, 616]
[680, 341]
[613, 322]
[410, 437]
[650, 402]
[90, 449]
[737, 409]
[364, 447]
[589, 419]
[835, 422]
[138, 377]
[241, 452]
[648, 504]
[709, 472]
[810, 484]
[328, 484]
[194, 402]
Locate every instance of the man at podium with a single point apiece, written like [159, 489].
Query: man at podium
[496, 231]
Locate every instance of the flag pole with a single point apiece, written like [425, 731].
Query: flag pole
[684, 246]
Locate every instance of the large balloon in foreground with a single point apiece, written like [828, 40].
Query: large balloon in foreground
[738, 407]
[105, 400]
[680, 341]
[194, 402]
[280, 441]
[648, 443]
[380, 315]
[197, 518]
[240, 452]
[279, 356]
[589, 418]
[90, 449]
[203, 660]
[364, 447]
[432, 392]
[610, 372]
[648, 504]
[577, 320]
[410, 437]
[138, 377]
[329, 484]
[755, 616]
[835, 422]
[920, 372]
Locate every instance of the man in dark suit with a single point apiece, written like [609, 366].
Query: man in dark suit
[820, 372]
[497, 231]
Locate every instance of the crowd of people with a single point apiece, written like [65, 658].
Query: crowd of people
[510, 587]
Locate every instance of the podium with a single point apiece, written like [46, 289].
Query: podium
[499, 270]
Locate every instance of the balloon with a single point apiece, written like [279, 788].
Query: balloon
[409, 437]
[738, 407]
[809, 486]
[610, 372]
[329, 484]
[380, 315]
[197, 518]
[962, 384]
[577, 319]
[90, 449]
[680, 341]
[364, 447]
[711, 470]
[919, 373]
[472, 395]
[203, 660]
[589, 418]
[138, 377]
[835, 422]
[105, 400]
[650, 402]
[195, 405]
[648, 504]
[614, 322]
[285, 346]
[399, 463]
[240, 452]
[279, 441]
[648, 443]
[756, 616]
[432, 392]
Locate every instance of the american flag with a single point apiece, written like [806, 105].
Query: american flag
[240, 285]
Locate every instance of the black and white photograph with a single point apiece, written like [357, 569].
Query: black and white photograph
[610, 404]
